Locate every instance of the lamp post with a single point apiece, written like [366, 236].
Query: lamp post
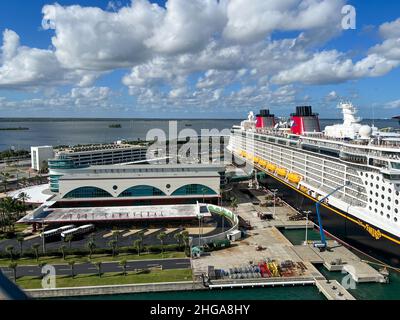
[306, 213]
[274, 191]
[199, 217]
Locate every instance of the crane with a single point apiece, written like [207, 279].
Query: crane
[322, 244]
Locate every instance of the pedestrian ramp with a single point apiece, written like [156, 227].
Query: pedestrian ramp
[151, 231]
[131, 232]
[110, 234]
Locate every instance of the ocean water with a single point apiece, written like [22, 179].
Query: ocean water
[82, 131]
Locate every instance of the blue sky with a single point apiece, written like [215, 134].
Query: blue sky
[201, 59]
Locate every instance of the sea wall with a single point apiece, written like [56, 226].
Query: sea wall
[115, 289]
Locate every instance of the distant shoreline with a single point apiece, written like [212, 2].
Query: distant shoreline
[14, 129]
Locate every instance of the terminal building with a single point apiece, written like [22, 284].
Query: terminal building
[70, 160]
[141, 185]
[121, 187]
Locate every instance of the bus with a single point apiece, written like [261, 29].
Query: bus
[55, 234]
[77, 232]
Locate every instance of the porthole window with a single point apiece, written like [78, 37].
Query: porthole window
[370, 208]
[390, 199]
[382, 205]
[366, 175]
[390, 190]
[396, 201]
[115, 187]
[396, 210]
[383, 188]
[376, 202]
[381, 213]
[388, 207]
[372, 184]
[388, 216]
[383, 196]
[377, 178]
[168, 186]
[395, 219]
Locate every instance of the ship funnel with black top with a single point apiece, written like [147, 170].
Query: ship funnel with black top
[304, 120]
[264, 119]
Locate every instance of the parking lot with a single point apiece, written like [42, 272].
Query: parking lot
[127, 235]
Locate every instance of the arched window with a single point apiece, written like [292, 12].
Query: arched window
[87, 192]
[142, 191]
[193, 189]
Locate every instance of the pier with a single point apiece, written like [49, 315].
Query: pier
[265, 242]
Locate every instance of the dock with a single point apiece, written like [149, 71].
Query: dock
[265, 243]
[333, 290]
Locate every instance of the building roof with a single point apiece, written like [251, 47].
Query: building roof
[36, 194]
[131, 213]
[137, 175]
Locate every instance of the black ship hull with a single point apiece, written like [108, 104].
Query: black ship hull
[349, 230]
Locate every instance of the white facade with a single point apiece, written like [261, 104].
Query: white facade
[117, 184]
[39, 155]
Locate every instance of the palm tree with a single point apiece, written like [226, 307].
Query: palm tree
[13, 265]
[140, 235]
[40, 266]
[161, 236]
[62, 249]
[4, 177]
[98, 265]
[20, 239]
[23, 196]
[137, 244]
[179, 238]
[35, 248]
[71, 264]
[24, 181]
[116, 234]
[113, 245]
[91, 245]
[185, 238]
[234, 203]
[123, 264]
[69, 239]
[10, 251]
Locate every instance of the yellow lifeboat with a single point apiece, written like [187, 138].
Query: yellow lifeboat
[271, 167]
[294, 177]
[256, 160]
[262, 163]
[303, 189]
[281, 172]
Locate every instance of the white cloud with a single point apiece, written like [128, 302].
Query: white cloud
[393, 105]
[24, 67]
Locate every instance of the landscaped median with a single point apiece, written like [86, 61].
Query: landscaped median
[95, 258]
[118, 278]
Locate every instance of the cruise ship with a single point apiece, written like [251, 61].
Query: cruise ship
[355, 167]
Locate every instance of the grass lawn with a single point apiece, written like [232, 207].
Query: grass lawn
[110, 279]
[19, 227]
[95, 257]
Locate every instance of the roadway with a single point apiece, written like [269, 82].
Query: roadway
[89, 268]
